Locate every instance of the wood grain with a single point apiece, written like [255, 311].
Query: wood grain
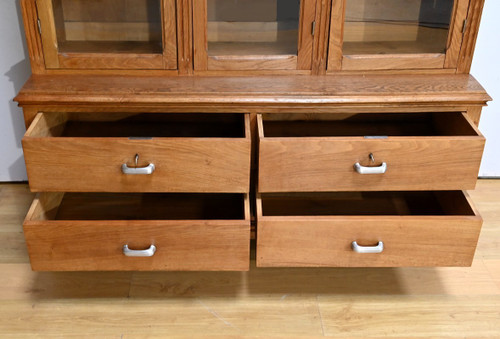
[336, 35]
[63, 57]
[169, 34]
[326, 163]
[456, 35]
[200, 38]
[308, 15]
[320, 48]
[373, 316]
[110, 61]
[49, 37]
[409, 240]
[113, 31]
[470, 36]
[392, 61]
[181, 245]
[33, 38]
[419, 63]
[182, 164]
[287, 91]
[70, 244]
[185, 47]
[264, 62]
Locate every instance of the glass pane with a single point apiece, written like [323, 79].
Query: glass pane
[253, 27]
[108, 26]
[396, 26]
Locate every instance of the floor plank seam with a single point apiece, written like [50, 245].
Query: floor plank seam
[320, 316]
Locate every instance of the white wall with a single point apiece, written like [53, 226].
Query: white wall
[486, 69]
[14, 71]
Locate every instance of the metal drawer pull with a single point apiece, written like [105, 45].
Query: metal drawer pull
[139, 253]
[149, 169]
[370, 170]
[368, 249]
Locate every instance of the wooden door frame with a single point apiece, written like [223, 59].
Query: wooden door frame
[301, 62]
[56, 60]
[449, 60]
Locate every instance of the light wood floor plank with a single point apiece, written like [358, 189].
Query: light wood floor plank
[489, 243]
[410, 316]
[278, 283]
[115, 317]
[493, 267]
[15, 200]
[19, 282]
[13, 248]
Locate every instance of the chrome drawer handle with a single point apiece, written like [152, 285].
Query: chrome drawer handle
[149, 169]
[368, 249]
[139, 253]
[370, 170]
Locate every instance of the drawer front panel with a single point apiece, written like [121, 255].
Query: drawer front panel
[327, 241]
[328, 164]
[98, 245]
[95, 164]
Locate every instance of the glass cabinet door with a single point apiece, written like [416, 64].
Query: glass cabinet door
[253, 34]
[108, 34]
[396, 34]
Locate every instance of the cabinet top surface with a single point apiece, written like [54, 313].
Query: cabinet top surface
[257, 90]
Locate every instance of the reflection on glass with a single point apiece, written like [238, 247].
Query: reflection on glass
[252, 27]
[396, 26]
[100, 26]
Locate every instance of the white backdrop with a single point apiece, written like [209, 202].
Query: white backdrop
[14, 71]
[486, 69]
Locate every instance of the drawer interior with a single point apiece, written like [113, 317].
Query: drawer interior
[139, 206]
[139, 125]
[366, 203]
[368, 124]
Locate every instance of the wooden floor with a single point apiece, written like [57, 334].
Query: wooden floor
[354, 303]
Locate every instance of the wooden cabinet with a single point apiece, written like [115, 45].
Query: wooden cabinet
[251, 36]
[166, 134]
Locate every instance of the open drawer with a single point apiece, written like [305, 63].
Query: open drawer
[124, 152]
[368, 152]
[141, 231]
[366, 229]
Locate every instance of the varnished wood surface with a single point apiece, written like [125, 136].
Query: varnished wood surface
[182, 164]
[88, 233]
[448, 158]
[269, 90]
[290, 234]
[292, 302]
